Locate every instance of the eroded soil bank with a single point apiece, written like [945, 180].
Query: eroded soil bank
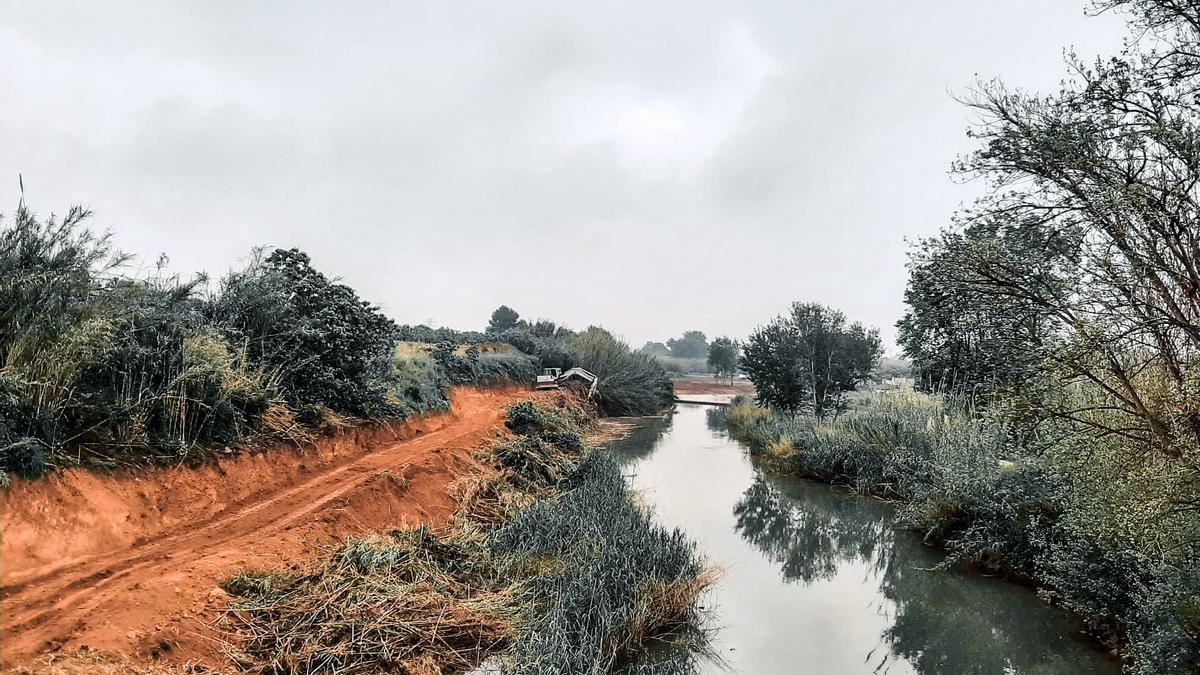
[129, 563]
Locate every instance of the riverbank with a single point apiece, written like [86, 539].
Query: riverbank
[960, 487]
[818, 579]
[128, 563]
[546, 566]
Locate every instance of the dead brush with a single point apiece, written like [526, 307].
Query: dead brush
[279, 422]
[664, 610]
[488, 497]
[411, 602]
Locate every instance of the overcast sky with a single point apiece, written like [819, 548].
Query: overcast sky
[651, 169]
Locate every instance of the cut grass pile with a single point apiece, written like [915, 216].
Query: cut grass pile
[548, 566]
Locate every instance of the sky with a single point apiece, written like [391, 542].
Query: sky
[651, 168]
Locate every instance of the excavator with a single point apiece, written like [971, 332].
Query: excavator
[577, 379]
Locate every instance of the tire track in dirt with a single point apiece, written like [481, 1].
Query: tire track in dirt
[153, 600]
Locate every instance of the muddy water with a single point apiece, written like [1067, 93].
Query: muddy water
[819, 581]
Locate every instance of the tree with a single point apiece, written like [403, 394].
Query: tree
[502, 319]
[693, 345]
[655, 349]
[808, 360]
[959, 338]
[1086, 252]
[723, 357]
[628, 382]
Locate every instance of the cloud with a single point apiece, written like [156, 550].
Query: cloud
[649, 168]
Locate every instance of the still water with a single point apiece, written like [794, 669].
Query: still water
[816, 580]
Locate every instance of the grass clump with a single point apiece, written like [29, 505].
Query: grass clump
[623, 580]
[548, 566]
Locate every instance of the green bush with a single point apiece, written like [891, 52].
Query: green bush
[118, 369]
[475, 367]
[549, 350]
[629, 383]
[323, 344]
[682, 366]
[415, 384]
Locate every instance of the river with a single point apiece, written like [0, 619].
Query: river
[817, 580]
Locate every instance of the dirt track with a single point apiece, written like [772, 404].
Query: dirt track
[130, 564]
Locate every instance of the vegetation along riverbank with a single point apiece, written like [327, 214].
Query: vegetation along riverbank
[1053, 328]
[1046, 517]
[547, 566]
[107, 369]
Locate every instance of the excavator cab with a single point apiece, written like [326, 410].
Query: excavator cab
[548, 379]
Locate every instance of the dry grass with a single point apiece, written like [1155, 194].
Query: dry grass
[433, 601]
[90, 662]
[663, 609]
[410, 602]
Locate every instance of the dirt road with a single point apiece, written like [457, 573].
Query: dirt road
[130, 564]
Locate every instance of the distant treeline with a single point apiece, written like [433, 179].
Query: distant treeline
[629, 383]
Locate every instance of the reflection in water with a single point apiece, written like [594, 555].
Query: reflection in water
[818, 580]
[808, 539]
[942, 622]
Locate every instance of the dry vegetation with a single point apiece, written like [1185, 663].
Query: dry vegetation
[547, 565]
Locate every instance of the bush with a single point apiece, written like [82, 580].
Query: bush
[124, 367]
[121, 369]
[321, 343]
[415, 384]
[622, 580]
[549, 350]
[629, 383]
[471, 365]
[682, 366]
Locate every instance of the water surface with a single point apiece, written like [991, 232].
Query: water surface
[817, 580]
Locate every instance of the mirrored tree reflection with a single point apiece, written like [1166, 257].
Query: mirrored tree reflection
[811, 541]
[941, 621]
[715, 419]
[642, 439]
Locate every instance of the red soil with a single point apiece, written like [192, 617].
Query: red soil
[129, 563]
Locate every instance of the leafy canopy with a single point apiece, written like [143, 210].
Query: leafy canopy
[324, 344]
[723, 356]
[503, 319]
[693, 345]
[808, 359]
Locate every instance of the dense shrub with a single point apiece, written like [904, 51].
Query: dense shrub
[629, 383]
[425, 334]
[621, 580]
[415, 383]
[323, 344]
[471, 365]
[682, 366]
[550, 351]
[120, 369]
